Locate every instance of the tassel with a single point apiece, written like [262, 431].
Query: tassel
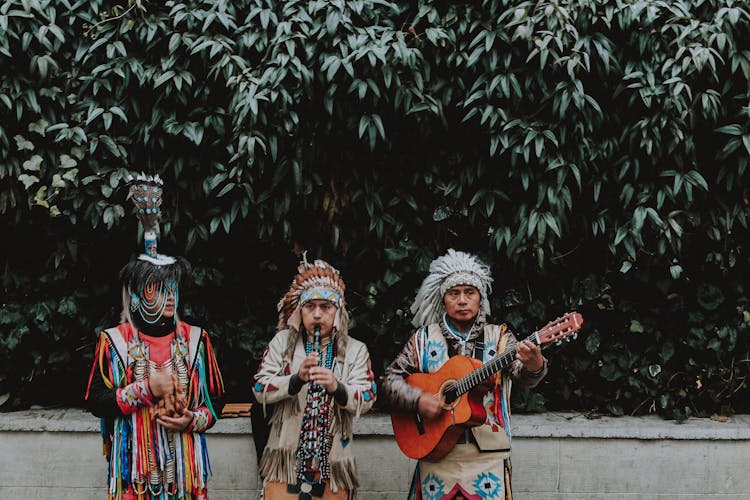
[216, 382]
[278, 465]
[344, 475]
[100, 356]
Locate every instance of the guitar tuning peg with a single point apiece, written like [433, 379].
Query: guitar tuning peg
[575, 335]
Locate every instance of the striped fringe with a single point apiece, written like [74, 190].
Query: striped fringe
[139, 443]
[129, 462]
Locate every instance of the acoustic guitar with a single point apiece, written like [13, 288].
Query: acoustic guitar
[432, 439]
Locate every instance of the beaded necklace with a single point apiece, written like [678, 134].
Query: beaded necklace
[314, 441]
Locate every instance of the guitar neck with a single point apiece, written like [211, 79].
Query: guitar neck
[491, 367]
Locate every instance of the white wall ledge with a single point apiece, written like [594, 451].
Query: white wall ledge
[544, 425]
[556, 456]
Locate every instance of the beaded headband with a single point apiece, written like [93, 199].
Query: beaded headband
[320, 294]
[318, 276]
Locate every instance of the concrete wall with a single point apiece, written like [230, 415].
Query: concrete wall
[57, 454]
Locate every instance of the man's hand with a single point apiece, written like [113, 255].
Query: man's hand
[324, 377]
[160, 383]
[530, 355]
[178, 423]
[429, 406]
[307, 364]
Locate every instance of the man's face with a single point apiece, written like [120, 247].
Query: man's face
[462, 303]
[319, 313]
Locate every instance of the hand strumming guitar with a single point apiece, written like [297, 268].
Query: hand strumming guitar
[429, 406]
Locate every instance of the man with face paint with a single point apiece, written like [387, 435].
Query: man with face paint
[450, 313]
[154, 376]
[319, 380]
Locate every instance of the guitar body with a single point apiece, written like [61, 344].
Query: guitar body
[432, 439]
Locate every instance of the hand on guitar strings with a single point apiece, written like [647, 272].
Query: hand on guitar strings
[429, 406]
[530, 355]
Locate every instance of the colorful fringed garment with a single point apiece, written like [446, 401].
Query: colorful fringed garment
[147, 461]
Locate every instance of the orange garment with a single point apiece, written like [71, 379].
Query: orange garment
[159, 347]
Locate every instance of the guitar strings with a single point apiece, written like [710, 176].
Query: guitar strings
[466, 383]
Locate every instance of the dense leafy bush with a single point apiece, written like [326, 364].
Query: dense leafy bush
[594, 152]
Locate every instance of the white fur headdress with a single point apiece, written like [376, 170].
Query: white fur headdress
[452, 269]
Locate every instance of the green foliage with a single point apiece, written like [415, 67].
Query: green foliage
[595, 153]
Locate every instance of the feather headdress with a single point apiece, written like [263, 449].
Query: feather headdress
[452, 269]
[319, 275]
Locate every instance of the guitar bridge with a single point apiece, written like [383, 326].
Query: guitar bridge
[418, 421]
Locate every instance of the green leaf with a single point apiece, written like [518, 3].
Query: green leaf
[115, 110]
[67, 162]
[675, 270]
[710, 297]
[552, 223]
[592, 342]
[57, 181]
[667, 351]
[332, 21]
[441, 213]
[23, 144]
[71, 175]
[226, 189]
[396, 255]
[636, 327]
[730, 129]
[40, 127]
[28, 180]
[163, 78]
[34, 164]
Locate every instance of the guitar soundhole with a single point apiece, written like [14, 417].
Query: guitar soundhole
[448, 396]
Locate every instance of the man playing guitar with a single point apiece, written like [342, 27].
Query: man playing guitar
[450, 313]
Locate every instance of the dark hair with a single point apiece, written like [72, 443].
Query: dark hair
[137, 273]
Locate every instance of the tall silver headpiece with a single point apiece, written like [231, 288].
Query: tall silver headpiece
[145, 193]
